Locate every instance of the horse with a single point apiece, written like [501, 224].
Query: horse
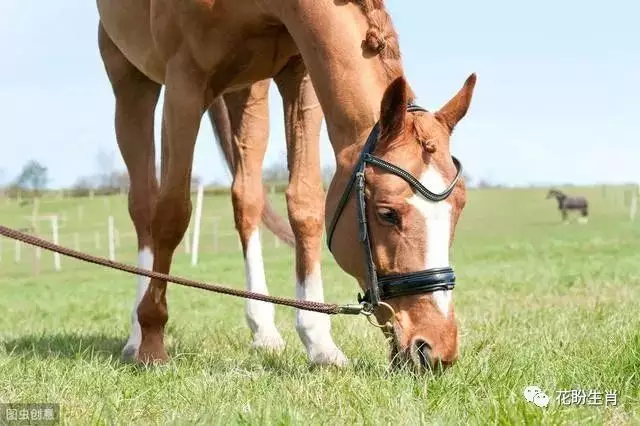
[392, 206]
[566, 203]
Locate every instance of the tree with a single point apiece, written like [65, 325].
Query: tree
[276, 172]
[32, 177]
[195, 182]
[468, 180]
[107, 178]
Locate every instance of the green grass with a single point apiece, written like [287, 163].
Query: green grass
[539, 303]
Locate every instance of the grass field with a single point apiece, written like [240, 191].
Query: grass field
[539, 303]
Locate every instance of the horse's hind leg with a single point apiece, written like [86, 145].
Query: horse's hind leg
[136, 97]
[249, 117]
[584, 215]
[305, 203]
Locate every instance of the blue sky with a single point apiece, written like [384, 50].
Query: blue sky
[556, 99]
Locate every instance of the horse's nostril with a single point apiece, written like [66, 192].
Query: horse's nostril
[422, 352]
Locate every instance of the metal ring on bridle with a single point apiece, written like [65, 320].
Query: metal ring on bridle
[392, 314]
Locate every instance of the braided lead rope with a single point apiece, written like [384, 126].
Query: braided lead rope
[325, 308]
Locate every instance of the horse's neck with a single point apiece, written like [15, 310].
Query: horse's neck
[349, 85]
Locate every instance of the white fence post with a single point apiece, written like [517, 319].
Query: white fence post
[76, 241]
[111, 240]
[17, 251]
[54, 230]
[196, 226]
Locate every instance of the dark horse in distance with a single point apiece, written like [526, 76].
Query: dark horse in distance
[566, 203]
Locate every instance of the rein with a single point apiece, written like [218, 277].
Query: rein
[380, 288]
[325, 308]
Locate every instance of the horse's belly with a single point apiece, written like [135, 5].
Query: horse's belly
[236, 47]
[128, 25]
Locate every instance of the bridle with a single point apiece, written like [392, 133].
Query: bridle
[380, 288]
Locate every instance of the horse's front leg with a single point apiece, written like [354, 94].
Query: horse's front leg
[305, 203]
[136, 98]
[184, 104]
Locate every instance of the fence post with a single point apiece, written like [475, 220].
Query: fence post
[17, 251]
[196, 226]
[37, 254]
[54, 230]
[76, 241]
[111, 240]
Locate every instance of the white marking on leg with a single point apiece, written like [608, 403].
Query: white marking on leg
[314, 328]
[260, 315]
[145, 261]
[437, 217]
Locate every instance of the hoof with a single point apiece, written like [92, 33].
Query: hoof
[268, 341]
[328, 357]
[152, 355]
[129, 353]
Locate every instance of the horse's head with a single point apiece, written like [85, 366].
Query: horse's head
[410, 229]
[554, 193]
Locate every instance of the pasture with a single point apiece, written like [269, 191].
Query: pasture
[538, 302]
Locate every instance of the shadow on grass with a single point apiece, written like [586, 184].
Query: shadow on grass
[65, 346]
[107, 348]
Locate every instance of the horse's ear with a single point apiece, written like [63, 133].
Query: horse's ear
[393, 109]
[457, 107]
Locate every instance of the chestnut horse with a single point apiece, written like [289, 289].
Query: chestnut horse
[394, 228]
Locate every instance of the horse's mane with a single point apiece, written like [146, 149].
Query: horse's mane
[382, 39]
[381, 36]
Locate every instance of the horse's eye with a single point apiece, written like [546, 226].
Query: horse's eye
[389, 215]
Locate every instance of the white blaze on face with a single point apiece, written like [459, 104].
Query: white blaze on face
[145, 261]
[437, 216]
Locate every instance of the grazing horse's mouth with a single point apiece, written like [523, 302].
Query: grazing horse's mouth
[417, 356]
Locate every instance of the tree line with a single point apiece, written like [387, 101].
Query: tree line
[33, 179]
